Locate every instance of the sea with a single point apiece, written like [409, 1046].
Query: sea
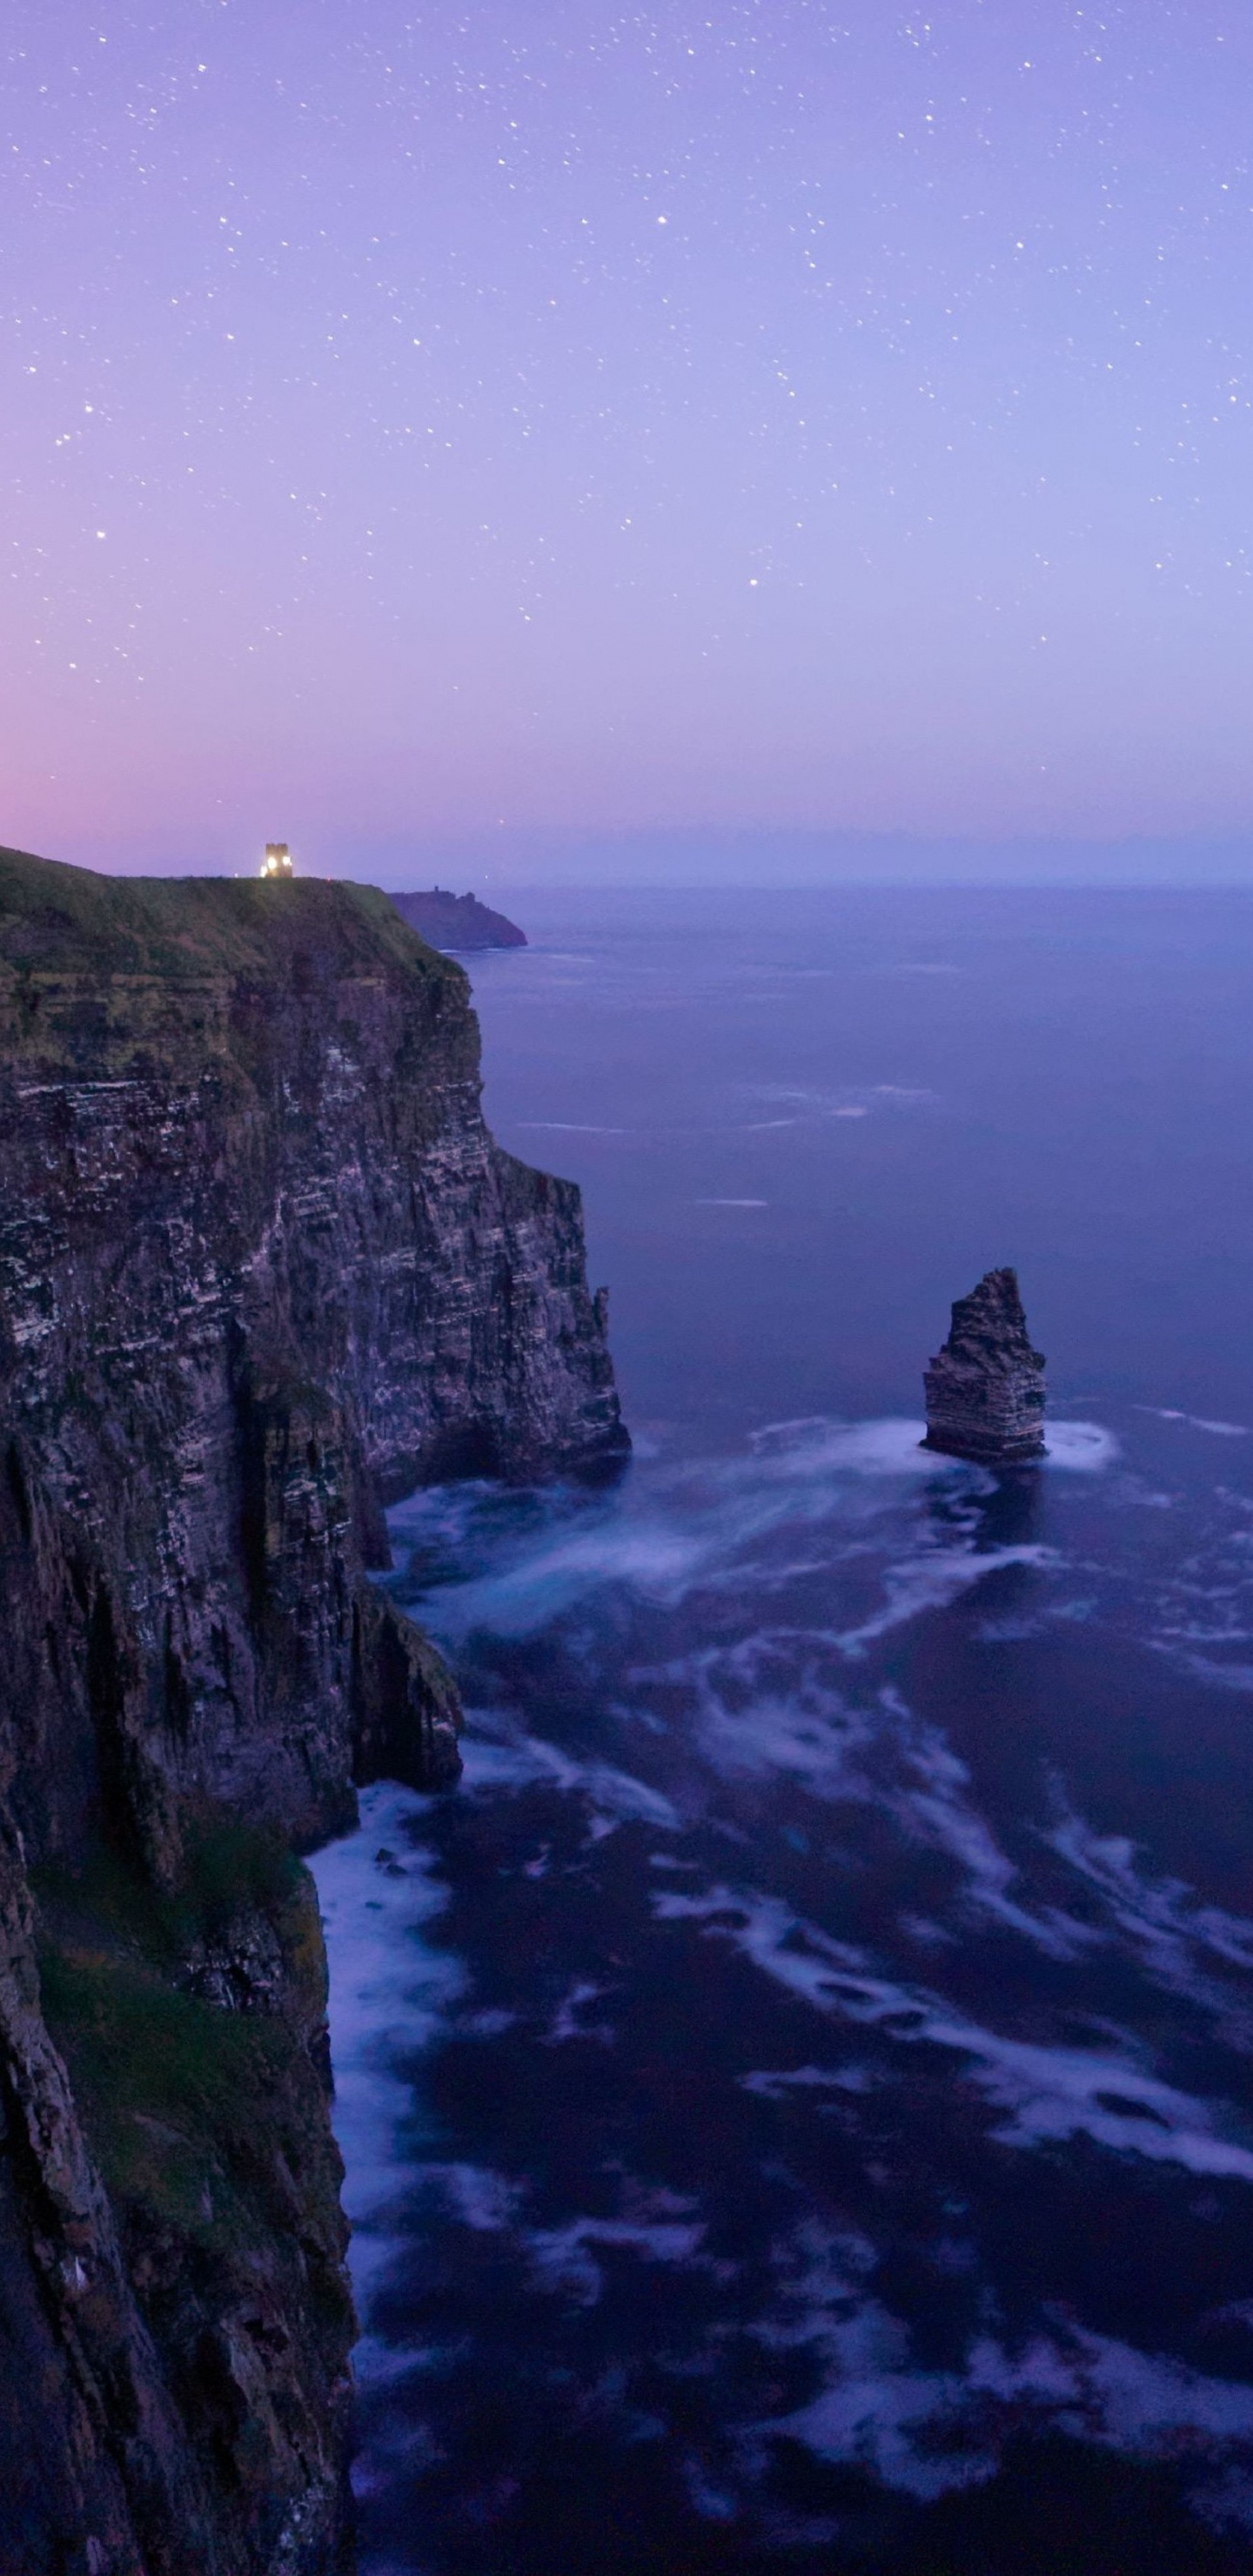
[797, 2093]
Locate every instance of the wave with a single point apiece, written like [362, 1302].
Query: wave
[929, 2432]
[498, 1755]
[1197, 1422]
[388, 1987]
[676, 1528]
[892, 1446]
[563, 2261]
[1045, 2094]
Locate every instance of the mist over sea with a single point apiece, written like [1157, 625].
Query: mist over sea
[798, 2094]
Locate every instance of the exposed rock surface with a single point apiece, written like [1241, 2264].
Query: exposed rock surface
[457, 921]
[262, 1268]
[985, 1389]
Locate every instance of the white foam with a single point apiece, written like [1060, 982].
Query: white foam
[497, 1762]
[858, 1102]
[1045, 2093]
[696, 1526]
[871, 2413]
[563, 2260]
[566, 2022]
[774, 2086]
[497, 1757]
[1197, 1422]
[822, 1446]
[1165, 1924]
[388, 1989]
[712, 2503]
[930, 1582]
[483, 2200]
[1230, 1677]
[808, 1731]
[928, 2432]
[656, 1561]
[892, 1446]
[873, 2404]
[1147, 2402]
[1083, 1448]
[940, 1812]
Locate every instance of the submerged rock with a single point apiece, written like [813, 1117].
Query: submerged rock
[985, 1389]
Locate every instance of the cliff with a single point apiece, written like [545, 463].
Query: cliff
[457, 921]
[262, 1269]
[985, 1389]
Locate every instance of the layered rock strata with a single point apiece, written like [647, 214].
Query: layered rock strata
[985, 1389]
[262, 1269]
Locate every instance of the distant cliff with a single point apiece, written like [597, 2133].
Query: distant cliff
[262, 1268]
[457, 921]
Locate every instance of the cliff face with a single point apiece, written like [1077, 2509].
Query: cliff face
[457, 921]
[261, 1269]
[985, 1389]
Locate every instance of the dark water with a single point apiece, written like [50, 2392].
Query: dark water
[797, 2094]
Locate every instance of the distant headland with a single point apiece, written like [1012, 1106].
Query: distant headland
[443, 919]
[457, 920]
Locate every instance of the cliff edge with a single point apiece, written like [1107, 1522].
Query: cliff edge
[262, 1269]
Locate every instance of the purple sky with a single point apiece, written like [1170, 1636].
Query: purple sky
[811, 416]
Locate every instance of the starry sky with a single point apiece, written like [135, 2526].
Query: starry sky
[559, 421]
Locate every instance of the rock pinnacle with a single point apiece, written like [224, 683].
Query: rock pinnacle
[985, 1389]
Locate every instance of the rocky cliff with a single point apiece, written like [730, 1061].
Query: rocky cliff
[457, 921]
[985, 1389]
[262, 1269]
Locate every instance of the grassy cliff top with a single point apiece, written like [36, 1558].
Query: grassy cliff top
[57, 920]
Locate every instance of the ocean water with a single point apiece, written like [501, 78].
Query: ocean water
[797, 2094]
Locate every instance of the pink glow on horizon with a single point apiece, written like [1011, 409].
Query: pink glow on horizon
[786, 418]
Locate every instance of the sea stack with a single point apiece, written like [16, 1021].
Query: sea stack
[985, 1389]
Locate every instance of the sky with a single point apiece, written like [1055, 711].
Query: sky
[550, 426]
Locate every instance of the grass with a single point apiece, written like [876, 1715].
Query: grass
[199, 2116]
[57, 920]
[177, 2094]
